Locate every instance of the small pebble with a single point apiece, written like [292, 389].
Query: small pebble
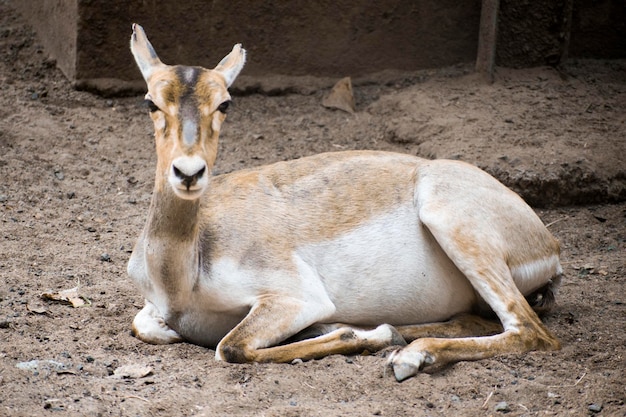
[595, 408]
[502, 407]
[105, 257]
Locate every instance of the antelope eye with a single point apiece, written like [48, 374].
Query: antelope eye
[150, 105]
[223, 108]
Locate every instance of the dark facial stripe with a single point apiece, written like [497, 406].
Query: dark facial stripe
[188, 113]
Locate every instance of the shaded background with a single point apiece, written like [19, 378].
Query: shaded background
[89, 39]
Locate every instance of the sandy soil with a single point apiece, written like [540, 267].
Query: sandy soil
[77, 174]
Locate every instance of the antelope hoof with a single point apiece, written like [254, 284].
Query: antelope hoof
[381, 337]
[404, 370]
[396, 337]
[152, 329]
[406, 364]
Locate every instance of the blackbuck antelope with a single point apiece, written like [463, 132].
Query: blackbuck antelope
[337, 253]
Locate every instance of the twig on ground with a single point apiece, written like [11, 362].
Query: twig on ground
[569, 386]
[487, 400]
[137, 398]
[557, 220]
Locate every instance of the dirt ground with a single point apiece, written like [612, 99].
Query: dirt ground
[76, 178]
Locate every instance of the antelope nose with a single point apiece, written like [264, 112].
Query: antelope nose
[189, 170]
[189, 179]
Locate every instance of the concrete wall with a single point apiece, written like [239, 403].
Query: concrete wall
[57, 27]
[326, 38]
[89, 39]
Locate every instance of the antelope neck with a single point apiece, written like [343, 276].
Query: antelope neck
[172, 217]
[172, 248]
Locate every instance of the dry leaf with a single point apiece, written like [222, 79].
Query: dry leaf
[341, 97]
[67, 296]
[132, 371]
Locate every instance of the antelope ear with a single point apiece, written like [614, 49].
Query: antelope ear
[144, 53]
[232, 64]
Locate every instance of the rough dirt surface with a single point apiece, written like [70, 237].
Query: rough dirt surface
[76, 178]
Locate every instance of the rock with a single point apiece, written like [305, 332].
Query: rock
[45, 365]
[502, 407]
[595, 408]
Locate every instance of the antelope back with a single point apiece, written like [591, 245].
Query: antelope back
[188, 106]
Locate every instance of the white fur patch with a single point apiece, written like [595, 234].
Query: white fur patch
[381, 334]
[188, 166]
[189, 74]
[533, 275]
[389, 270]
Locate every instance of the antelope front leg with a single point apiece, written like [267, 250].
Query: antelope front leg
[272, 321]
[150, 327]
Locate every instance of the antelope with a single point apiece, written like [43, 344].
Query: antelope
[337, 253]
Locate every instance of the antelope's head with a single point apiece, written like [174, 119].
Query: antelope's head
[187, 106]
